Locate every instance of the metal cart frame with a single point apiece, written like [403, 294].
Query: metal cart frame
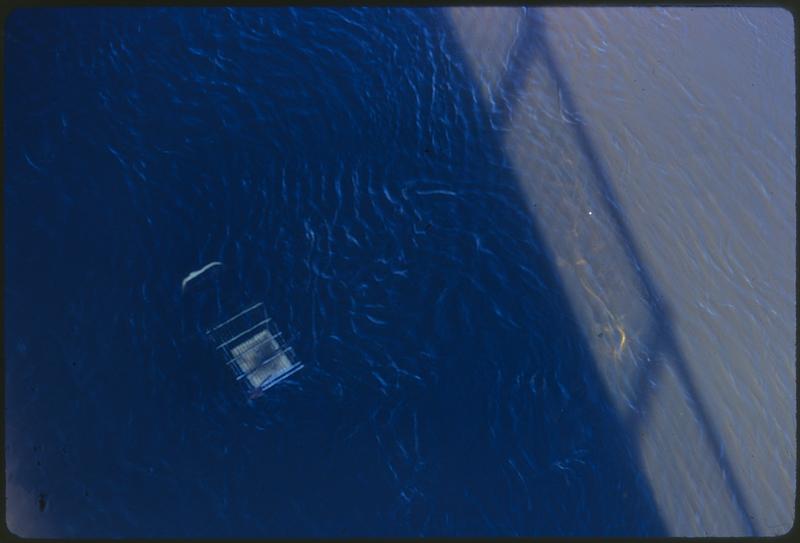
[255, 350]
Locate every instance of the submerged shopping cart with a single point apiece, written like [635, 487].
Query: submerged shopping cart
[255, 350]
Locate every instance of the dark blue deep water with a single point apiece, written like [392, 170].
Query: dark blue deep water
[341, 165]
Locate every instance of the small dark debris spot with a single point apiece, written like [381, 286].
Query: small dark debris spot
[42, 502]
[428, 226]
[600, 334]
[86, 493]
[428, 150]
[38, 463]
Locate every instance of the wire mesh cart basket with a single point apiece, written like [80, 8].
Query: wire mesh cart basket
[255, 350]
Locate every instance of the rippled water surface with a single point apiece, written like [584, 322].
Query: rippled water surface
[541, 264]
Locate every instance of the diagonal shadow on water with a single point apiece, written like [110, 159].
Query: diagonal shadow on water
[660, 340]
[615, 497]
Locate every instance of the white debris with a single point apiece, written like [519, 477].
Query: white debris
[198, 273]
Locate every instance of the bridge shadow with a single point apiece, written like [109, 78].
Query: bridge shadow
[532, 45]
[569, 463]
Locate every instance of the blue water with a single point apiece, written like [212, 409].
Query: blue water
[341, 165]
